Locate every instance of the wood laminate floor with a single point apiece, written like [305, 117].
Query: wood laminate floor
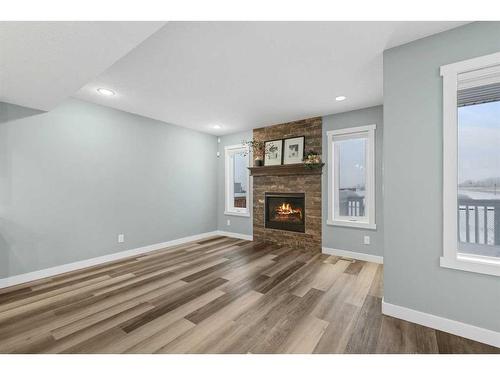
[219, 295]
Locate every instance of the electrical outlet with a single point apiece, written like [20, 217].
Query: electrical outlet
[366, 240]
[228, 222]
[121, 238]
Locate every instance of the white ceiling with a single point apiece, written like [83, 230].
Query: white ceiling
[243, 75]
[239, 75]
[42, 63]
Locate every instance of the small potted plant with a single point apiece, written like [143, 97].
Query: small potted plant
[313, 160]
[259, 150]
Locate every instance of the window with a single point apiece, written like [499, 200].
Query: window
[471, 165]
[351, 181]
[237, 181]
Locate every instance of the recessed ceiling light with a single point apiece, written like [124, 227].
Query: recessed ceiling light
[216, 126]
[340, 98]
[105, 92]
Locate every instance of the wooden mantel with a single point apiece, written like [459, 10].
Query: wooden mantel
[284, 170]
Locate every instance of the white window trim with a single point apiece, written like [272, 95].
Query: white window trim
[369, 131]
[451, 257]
[228, 182]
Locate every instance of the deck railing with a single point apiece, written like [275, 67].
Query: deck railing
[352, 206]
[479, 221]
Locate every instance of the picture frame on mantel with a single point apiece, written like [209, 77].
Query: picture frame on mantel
[274, 157]
[293, 150]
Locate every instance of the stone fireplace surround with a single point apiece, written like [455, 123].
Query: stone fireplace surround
[290, 179]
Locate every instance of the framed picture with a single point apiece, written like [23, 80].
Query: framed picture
[293, 150]
[274, 152]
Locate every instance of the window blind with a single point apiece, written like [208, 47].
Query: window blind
[479, 86]
[479, 94]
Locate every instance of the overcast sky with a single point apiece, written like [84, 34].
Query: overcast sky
[479, 141]
[240, 170]
[352, 163]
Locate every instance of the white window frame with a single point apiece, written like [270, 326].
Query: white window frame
[229, 209]
[368, 221]
[451, 257]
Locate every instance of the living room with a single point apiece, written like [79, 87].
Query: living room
[250, 187]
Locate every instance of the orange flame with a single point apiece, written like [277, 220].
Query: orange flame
[286, 209]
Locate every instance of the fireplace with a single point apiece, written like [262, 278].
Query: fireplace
[285, 211]
[281, 228]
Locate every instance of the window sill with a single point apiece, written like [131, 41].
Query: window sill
[351, 224]
[472, 264]
[242, 214]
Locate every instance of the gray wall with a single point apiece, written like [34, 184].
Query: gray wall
[241, 225]
[73, 178]
[413, 181]
[8, 112]
[351, 239]
[11, 112]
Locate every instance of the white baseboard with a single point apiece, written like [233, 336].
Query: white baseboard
[354, 255]
[52, 271]
[247, 237]
[454, 327]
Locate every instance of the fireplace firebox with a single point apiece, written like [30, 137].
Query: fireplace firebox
[285, 211]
